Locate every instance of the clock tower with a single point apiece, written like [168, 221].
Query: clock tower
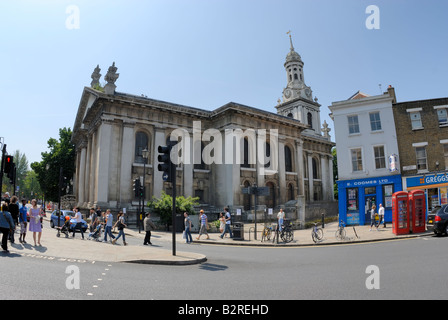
[297, 102]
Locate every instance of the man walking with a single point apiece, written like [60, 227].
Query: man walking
[148, 225]
[228, 219]
[109, 224]
[204, 225]
[381, 216]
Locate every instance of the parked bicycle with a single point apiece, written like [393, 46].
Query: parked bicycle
[287, 234]
[317, 234]
[340, 233]
[266, 233]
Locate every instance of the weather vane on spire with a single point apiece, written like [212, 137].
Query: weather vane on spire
[290, 39]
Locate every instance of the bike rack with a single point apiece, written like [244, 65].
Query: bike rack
[251, 229]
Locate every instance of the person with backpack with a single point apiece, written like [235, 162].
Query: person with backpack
[6, 226]
[228, 219]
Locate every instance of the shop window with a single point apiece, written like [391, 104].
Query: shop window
[388, 191]
[352, 199]
[380, 159]
[375, 121]
[370, 190]
[356, 156]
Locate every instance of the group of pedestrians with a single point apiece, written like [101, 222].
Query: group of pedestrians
[373, 217]
[225, 220]
[12, 215]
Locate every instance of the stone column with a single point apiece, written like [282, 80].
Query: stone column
[310, 177]
[325, 178]
[127, 158]
[81, 176]
[103, 163]
[300, 169]
[282, 171]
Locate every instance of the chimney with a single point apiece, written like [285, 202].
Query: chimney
[391, 91]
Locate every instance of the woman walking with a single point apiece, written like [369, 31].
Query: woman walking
[35, 224]
[120, 225]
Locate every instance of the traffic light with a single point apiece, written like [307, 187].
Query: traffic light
[9, 161]
[136, 187]
[12, 172]
[165, 164]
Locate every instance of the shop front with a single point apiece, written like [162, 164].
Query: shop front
[356, 198]
[435, 186]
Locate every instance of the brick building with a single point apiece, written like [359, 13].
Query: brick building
[422, 135]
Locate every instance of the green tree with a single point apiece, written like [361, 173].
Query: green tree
[61, 155]
[163, 206]
[335, 172]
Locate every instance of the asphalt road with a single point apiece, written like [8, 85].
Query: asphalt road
[402, 269]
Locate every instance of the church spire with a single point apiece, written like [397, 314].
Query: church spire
[290, 39]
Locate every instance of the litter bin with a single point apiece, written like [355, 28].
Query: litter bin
[238, 231]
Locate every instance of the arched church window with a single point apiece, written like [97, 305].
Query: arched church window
[290, 115]
[310, 120]
[295, 76]
[268, 155]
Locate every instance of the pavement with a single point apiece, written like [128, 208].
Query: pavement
[91, 251]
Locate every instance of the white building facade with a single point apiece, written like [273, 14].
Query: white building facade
[367, 154]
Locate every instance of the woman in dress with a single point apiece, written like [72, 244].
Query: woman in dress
[35, 224]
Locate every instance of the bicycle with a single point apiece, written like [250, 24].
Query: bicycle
[266, 233]
[287, 233]
[340, 233]
[317, 234]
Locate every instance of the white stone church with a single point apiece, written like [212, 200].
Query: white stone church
[112, 129]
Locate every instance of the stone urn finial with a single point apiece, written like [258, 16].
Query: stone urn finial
[110, 78]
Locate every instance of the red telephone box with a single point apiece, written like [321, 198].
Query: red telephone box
[400, 213]
[417, 206]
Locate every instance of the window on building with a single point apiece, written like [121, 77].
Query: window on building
[310, 120]
[356, 155]
[315, 169]
[288, 159]
[416, 120]
[353, 124]
[141, 143]
[267, 155]
[442, 115]
[421, 158]
[445, 154]
[375, 121]
[380, 159]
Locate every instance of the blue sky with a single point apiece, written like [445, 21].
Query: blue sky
[205, 53]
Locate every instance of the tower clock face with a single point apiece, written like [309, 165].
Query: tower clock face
[287, 93]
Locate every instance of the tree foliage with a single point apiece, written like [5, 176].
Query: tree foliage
[61, 154]
[163, 206]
